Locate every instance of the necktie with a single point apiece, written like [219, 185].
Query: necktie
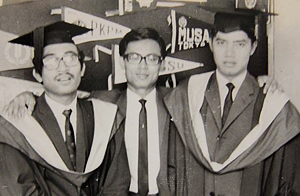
[228, 102]
[143, 151]
[70, 139]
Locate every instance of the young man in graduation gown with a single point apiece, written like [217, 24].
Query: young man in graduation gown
[231, 139]
[54, 151]
[142, 52]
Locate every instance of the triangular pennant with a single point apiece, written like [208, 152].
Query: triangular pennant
[102, 29]
[187, 33]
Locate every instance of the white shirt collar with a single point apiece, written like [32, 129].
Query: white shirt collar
[58, 107]
[237, 81]
[133, 97]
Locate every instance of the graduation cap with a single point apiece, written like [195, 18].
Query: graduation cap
[58, 32]
[228, 22]
[231, 19]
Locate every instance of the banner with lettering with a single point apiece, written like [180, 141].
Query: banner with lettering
[187, 32]
[102, 29]
[172, 65]
[13, 56]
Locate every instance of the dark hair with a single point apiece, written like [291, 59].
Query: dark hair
[38, 66]
[229, 22]
[250, 33]
[141, 34]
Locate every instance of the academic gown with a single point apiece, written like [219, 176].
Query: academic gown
[34, 157]
[269, 166]
[120, 98]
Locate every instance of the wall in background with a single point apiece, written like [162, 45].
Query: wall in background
[286, 57]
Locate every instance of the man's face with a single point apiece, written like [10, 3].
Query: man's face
[231, 52]
[64, 80]
[142, 76]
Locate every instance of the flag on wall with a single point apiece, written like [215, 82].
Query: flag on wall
[102, 29]
[187, 32]
[172, 65]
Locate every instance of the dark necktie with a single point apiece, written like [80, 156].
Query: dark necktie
[143, 151]
[70, 139]
[227, 103]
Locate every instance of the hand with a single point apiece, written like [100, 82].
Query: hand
[270, 84]
[21, 104]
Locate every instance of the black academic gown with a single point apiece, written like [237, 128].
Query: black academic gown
[273, 173]
[24, 171]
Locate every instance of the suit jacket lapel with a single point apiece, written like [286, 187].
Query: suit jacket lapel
[85, 133]
[43, 114]
[213, 99]
[241, 102]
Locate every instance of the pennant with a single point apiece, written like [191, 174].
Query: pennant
[129, 6]
[187, 33]
[172, 65]
[260, 5]
[102, 29]
[13, 56]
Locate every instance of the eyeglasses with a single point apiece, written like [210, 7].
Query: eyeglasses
[150, 59]
[51, 62]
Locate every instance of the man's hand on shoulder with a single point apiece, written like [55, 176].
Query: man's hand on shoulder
[270, 84]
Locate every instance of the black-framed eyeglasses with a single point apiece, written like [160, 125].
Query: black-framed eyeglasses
[150, 59]
[52, 62]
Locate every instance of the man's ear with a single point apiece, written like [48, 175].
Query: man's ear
[37, 76]
[83, 69]
[253, 48]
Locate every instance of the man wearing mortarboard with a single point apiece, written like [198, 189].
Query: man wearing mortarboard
[232, 139]
[57, 150]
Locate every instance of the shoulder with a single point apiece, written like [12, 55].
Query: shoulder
[108, 96]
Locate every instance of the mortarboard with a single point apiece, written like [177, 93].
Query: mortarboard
[58, 32]
[228, 22]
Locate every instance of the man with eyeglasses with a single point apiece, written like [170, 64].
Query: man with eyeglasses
[142, 52]
[64, 142]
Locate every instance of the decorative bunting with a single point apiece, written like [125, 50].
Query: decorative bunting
[102, 29]
[187, 33]
[172, 65]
